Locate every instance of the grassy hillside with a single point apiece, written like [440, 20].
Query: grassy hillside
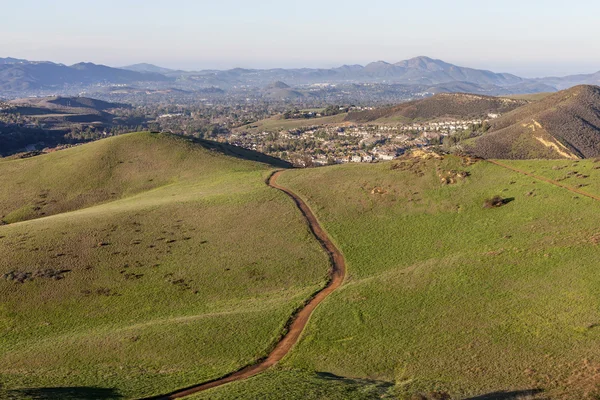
[109, 170]
[177, 265]
[583, 175]
[278, 123]
[563, 125]
[445, 294]
[529, 96]
[455, 105]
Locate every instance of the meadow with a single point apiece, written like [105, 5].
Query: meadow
[444, 294]
[158, 263]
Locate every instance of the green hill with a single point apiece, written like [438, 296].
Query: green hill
[445, 294]
[179, 265]
[562, 125]
[160, 262]
[452, 105]
[108, 170]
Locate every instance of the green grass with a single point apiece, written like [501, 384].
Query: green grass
[284, 383]
[529, 96]
[185, 266]
[188, 271]
[276, 124]
[444, 294]
[582, 175]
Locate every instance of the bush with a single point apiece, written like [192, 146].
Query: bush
[494, 202]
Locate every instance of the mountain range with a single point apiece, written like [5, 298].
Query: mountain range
[21, 75]
[435, 75]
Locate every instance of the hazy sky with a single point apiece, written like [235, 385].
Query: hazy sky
[526, 37]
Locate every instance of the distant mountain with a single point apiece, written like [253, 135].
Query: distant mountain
[455, 105]
[423, 69]
[281, 91]
[20, 76]
[278, 85]
[144, 67]
[419, 70]
[571, 80]
[563, 125]
[24, 76]
[10, 60]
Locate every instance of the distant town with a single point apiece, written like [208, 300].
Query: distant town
[339, 144]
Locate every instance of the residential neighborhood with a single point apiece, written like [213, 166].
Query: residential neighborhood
[321, 145]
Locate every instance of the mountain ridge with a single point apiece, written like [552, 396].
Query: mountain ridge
[22, 75]
[451, 105]
[565, 124]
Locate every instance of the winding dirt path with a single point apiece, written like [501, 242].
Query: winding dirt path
[297, 322]
[547, 180]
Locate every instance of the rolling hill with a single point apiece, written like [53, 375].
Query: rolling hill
[281, 91]
[453, 105]
[63, 105]
[39, 122]
[444, 294]
[562, 125]
[144, 263]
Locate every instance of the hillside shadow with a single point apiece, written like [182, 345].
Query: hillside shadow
[379, 386]
[65, 393]
[514, 395]
[240, 152]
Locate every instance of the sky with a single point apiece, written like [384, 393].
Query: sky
[530, 38]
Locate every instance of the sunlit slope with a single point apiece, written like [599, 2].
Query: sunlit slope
[111, 169]
[160, 289]
[565, 124]
[444, 294]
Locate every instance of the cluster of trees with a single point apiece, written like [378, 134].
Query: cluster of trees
[13, 140]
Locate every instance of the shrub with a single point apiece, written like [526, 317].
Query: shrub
[494, 202]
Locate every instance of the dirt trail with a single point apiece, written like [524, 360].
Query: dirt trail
[298, 321]
[548, 180]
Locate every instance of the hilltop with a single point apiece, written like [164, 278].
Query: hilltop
[145, 67]
[454, 105]
[562, 125]
[144, 263]
[105, 170]
[281, 91]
